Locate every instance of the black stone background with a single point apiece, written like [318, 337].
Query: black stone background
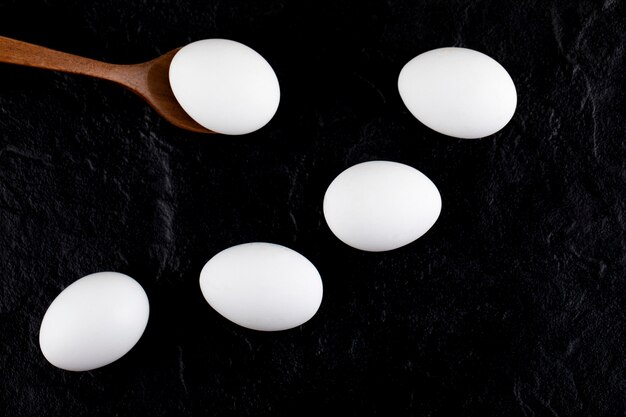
[512, 305]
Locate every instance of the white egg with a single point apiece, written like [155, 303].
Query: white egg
[225, 86]
[380, 205]
[262, 286]
[458, 92]
[94, 321]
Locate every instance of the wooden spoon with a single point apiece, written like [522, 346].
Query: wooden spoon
[150, 80]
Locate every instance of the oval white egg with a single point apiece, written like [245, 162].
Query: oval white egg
[224, 85]
[94, 321]
[380, 205]
[262, 286]
[458, 92]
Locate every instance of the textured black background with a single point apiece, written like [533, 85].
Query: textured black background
[512, 305]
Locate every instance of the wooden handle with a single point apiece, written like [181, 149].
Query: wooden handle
[22, 53]
[150, 80]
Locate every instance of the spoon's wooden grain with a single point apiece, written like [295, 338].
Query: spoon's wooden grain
[150, 80]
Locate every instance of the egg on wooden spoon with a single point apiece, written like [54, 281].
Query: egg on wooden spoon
[225, 86]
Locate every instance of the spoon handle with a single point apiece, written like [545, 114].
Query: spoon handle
[22, 53]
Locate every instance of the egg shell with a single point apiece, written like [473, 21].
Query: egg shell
[458, 92]
[225, 86]
[381, 205]
[262, 286]
[94, 321]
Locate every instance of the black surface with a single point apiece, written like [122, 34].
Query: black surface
[512, 305]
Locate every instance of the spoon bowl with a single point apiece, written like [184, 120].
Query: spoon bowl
[149, 80]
